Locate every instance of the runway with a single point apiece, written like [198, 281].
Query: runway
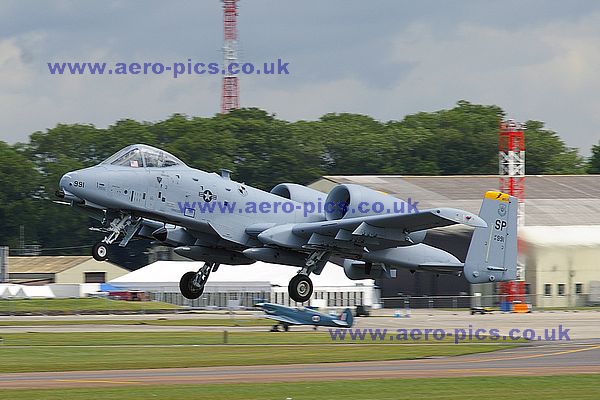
[542, 359]
[582, 324]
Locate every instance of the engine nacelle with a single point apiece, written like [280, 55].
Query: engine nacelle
[213, 255]
[351, 201]
[173, 236]
[276, 256]
[357, 270]
[298, 193]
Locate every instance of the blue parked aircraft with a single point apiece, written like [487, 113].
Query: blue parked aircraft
[286, 316]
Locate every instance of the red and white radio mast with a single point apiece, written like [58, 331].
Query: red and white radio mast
[230, 93]
[511, 157]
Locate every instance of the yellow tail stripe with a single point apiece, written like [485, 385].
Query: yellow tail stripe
[499, 196]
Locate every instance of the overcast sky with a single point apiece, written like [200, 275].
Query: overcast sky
[535, 59]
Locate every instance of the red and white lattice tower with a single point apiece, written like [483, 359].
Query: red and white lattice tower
[511, 157]
[230, 93]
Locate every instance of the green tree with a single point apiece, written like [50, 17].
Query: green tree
[462, 140]
[263, 151]
[201, 143]
[594, 162]
[59, 150]
[18, 197]
[269, 151]
[546, 153]
[354, 144]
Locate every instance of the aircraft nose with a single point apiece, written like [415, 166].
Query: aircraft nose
[66, 180]
[67, 190]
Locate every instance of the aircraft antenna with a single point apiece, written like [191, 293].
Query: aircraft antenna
[230, 93]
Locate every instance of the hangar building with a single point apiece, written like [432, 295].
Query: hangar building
[41, 270]
[559, 244]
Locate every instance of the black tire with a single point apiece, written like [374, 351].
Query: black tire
[187, 288]
[100, 251]
[300, 288]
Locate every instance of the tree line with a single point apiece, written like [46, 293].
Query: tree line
[262, 151]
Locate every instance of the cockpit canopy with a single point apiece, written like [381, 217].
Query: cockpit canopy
[142, 155]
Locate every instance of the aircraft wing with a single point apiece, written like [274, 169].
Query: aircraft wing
[383, 230]
[413, 222]
[282, 319]
[341, 323]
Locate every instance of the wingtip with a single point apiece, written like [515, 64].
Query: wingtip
[475, 221]
[461, 217]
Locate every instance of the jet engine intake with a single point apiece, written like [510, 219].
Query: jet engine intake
[351, 201]
[298, 193]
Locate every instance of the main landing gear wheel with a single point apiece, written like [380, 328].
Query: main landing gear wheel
[192, 283]
[300, 288]
[100, 251]
[188, 289]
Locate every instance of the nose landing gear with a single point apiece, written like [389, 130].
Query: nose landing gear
[125, 224]
[100, 251]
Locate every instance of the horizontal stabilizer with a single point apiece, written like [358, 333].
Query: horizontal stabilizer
[443, 268]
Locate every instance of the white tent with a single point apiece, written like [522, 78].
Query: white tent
[8, 290]
[331, 287]
[28, 292]
[166, 274]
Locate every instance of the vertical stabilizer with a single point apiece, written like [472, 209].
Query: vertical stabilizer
[492, 254]
[346, 316]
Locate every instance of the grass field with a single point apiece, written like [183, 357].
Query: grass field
[224, 321]
[48, 339]
[539, 388]
[97, 351]
[70, 306]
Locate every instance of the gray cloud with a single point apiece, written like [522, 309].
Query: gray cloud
[536, 59]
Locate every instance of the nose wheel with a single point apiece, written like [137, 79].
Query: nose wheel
[123, 223]
[300, 288]
[100, 251]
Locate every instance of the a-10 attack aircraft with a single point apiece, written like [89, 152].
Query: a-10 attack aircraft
[145, 192]
[286, 316]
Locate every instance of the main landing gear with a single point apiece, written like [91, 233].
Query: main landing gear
[301, 286]
[124, 223]
[192, 283]
[275, 328]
